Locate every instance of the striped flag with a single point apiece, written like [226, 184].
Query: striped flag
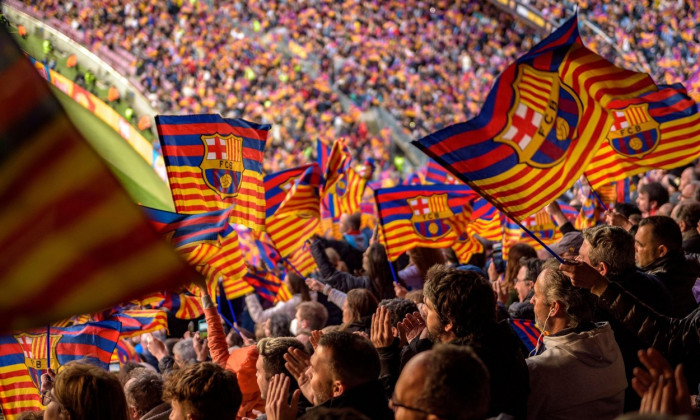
[25, 355]
[124, 353]
[297, 218]
[72, 240]
[301, 261]
[658, 130]
[527, 331]
[487, 221]
[323, 152]
[214, 162]
[140, 321]
[420, 215]
[436, 174]
[466, 243]
[542, 123]
[266, 284]
[278, 185]
[540, 223]
[337, 163]
[189, 229]
[183, 305]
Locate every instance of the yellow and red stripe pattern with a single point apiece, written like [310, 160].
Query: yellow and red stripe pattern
[73, 241]
[523, 170]
[214, 162]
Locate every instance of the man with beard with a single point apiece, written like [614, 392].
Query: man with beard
[342, 373]
[581, 374]
[461, 310]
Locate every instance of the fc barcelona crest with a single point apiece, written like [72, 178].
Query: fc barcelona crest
[341, 186]
[543, 120]
[35, 354]
[222, 165]
[430, 215]
[634, 133]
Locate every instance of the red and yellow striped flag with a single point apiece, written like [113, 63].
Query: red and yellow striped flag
[72, 239]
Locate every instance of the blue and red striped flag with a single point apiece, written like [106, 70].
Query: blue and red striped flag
[278, 185]
[140, 321]
[657, 130]
[187, 229]
[338, 162]
[436, 174]
[214, 162]
[527, 332]
[266, 284]
[73, 241]
[183, 305]
[269, 255]
[323, 152]
[25, 355]
[124, 353]
[487, 220]
[420, 215]
[542, 123]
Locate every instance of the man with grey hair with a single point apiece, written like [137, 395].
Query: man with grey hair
[183, 352]
[144, 396]
[610, 251]
[581, 374]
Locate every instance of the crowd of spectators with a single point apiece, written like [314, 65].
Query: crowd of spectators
[429, 65]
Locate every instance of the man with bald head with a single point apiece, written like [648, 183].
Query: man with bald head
[447, 382]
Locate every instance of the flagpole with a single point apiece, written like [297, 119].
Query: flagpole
[381, 223]
[600, 201]
[222, 292]
[48, 347]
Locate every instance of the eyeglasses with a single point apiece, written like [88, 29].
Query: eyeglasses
[395, 405]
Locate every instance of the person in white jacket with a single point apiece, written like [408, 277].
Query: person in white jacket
[580, 374]
[300, 293]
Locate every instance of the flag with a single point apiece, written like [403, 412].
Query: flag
[72, 240]
[140, 321]
[297, 218]
[266, 284]
[415, 178]
[188, 229]
[323, 152]
[540, 224]
[487, 220]
[657, 130]
[278, 185]
[24, 356]
[124, 353]
[419, 215]
[527, 332]
[345, 196]
[269, 255]
[466, 243]
[214, 162]
[283, 294]
[436, 174]
[183, 305]
[540, 126]
[337, 163]
[301, 262]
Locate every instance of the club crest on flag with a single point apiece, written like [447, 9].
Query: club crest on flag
[429, 215]
[341, 186]
[543, 118]
[222, 165]
[35, 357]
[634, 132]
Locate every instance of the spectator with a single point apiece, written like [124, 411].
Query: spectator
[420, 261]
[300, 293]
[310, 316]
[524, 284]
[271, 362]
[342, 373]
[581, 373]
[658, 251]
[460, 306]
[506, 285]
[398, 308]
[447, 382]
[202, 391]
[358, 310]
[85, 392]
[144, 394]
[183, 352]
[651, 197]
[569, 245]
[688, 216]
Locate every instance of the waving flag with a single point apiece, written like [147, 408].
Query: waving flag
[140, 321]
[540, 126]
[24, 356]
[188, 229]
[658, 130]
[345, 196]
[266, 284]
[540, 223]
[183, 305]
[337, 164]
[420, 215]
[436, 174]
[487, 221]
[214, 162]
[323, 152]
[270, 257]
[466, 243]
[527, 331]
[278, 185]
[72, 240]
[124, 353]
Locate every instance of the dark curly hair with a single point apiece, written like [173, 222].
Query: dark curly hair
[463, 298]
[205, 390]
[399, 308]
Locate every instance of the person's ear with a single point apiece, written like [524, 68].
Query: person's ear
[448, 327]
[663, 250]
[338, 388]
[683, 225]
[555, 309]
[603, 268]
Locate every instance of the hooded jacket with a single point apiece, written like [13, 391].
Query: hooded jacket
[581, 375]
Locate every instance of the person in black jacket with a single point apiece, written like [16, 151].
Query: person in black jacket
[343, 373]
[658, 251]
[375, 264]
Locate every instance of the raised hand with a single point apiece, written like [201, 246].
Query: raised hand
[411, 327]
[381, 334]
[299, 365]
[315, 337]
[276, 406]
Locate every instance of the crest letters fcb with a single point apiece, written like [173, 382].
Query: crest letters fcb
[35, 354]
[429, 216]
[634, 133]
[543, 120]
[222, 164]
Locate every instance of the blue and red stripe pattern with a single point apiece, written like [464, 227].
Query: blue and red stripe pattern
[278, 185]
[527, 332]
[213, 162]
[540, 126]
[266, 284]
[420, 215]
[24, 356]
[189, 229]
